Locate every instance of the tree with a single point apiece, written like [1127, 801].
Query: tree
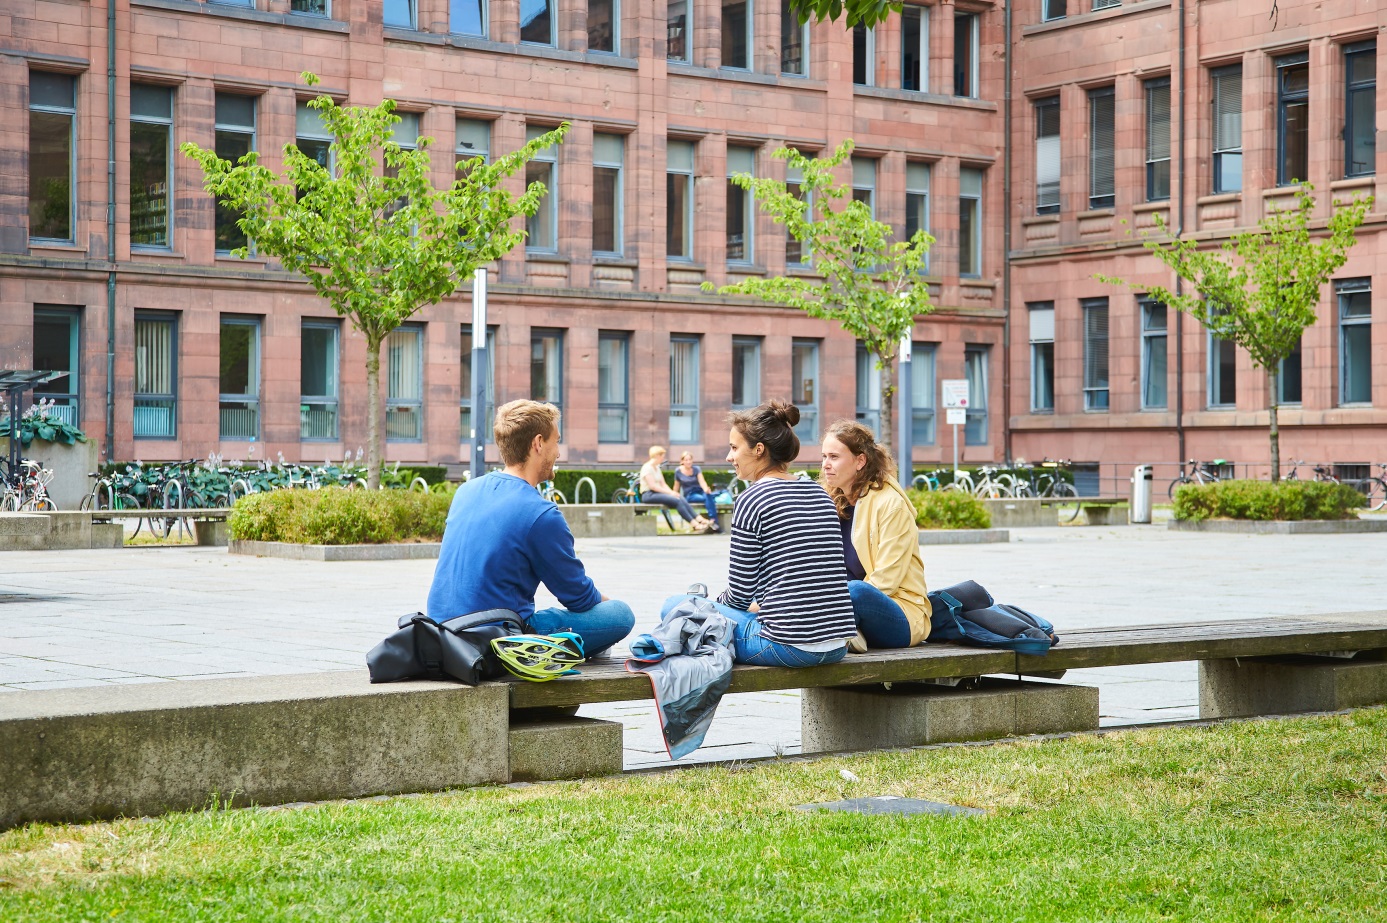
[1261, 289]
[369, 232]
[866, 13]
[863, 279]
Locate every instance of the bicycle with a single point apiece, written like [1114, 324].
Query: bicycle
[990, 487]
[1375, 487]
[548, 491]
[27, 489]
[1200, 473]
[928, 481]
[631, 493]
[1323, 473]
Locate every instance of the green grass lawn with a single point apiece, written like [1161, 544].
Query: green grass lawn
[1266, 820]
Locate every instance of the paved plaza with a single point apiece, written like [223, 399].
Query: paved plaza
[151, 614]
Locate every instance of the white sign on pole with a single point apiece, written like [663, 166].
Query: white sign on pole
[955, 392]
[956, 416]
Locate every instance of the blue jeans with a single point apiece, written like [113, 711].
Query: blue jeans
[600, 627]
[749, 646]
[879, 618]
[708, 502]
[671, 500]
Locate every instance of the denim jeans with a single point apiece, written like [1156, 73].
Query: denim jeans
[671, 500]
[708, 502]
[600, 627]
[749, 646]
[879, 618]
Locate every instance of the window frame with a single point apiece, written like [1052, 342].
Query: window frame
[922, 412]
[324, 13]
[688, 217]
[922, 14]
[308, 401]
[255, 372]
[748, 257]
[976, 416]
[1097, 198]
[972, 89]
[484, 15]
[551, 15]
[624, 405]
[71, 396]
[913, 189]
[977, 241]
[869, 52]
[1352, 88]
[229, 128]
[1047, 13]
[794, 179]
[412, 6]
[686, 35]
[167, 124]
[399, 404]
[463, 152]
[869, 167]
[868, 375]
[170, 397]
[808, 426]
[685, 408]
[1097, 396]
[787, 13]
[1042, 334]
[1153, 163]
[304, 111]
[538, 336]
[549, 205]
[754, 344]
[71, 113]
[749, 36]
[489, 389]
[615, 50]
[1040, 106]
[1214, 373]
[1149, 334]
[1344, 290]
[1284, 101]
[619, 205]
[1222, 157]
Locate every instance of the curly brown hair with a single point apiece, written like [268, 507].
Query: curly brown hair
[859, 440]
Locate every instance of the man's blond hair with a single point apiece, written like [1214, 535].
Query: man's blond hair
[517, 425]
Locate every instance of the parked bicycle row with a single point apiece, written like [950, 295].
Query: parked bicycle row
[1373, 487]
[25, 489]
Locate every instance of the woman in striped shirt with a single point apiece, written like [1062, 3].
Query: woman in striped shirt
[787, 586]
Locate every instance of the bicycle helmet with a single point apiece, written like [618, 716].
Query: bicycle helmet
[539, 658]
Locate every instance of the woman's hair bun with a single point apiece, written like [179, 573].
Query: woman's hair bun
[785, 412]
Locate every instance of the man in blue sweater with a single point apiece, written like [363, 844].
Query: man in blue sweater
[503, 539]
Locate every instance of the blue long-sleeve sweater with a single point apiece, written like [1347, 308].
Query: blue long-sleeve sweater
[501, 541]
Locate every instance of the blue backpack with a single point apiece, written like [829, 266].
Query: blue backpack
[965, 613]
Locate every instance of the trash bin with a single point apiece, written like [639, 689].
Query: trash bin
[1141, 494]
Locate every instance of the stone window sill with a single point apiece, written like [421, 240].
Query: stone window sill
[1219, 198]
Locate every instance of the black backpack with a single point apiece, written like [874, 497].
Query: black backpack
[459, 648]
[965, 613]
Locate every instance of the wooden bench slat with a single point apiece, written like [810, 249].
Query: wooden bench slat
[209, 513]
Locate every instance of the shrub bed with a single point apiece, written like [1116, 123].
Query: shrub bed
[1263, 500]
[949, 509]
[335, 516]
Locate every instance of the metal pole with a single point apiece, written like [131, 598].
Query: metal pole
[955, 451]
[477, 438]
[905, 467]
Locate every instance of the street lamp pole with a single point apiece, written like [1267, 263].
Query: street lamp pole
[904, 412]
[477, 438]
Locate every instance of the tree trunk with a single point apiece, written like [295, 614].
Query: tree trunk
[374, 452]
[888, 393]
[1274, 380]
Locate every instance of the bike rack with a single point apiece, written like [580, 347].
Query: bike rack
[578, 489]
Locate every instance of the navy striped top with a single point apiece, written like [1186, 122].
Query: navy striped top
[787, 555]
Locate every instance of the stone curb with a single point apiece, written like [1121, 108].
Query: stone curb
[1280, 527]
[293, 552]
[964, 536]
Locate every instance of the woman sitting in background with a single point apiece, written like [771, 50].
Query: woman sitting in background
[880, 541]
[689, 478]
[655, 490]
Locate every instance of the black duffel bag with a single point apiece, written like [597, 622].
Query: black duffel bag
[459, 648]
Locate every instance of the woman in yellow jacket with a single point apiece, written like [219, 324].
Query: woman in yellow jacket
[881, 543]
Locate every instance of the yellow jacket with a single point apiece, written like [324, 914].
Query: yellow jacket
[887, 542]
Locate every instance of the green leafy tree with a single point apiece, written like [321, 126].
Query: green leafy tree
[371, 234]
[853, 12]
[1261, 288]
[863, 278]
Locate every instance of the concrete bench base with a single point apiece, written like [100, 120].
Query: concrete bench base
[607, 520]
[1022, 512]
[909, 715]
[210, 532]
[1108, 515]
[1287, 685]
[572, 748]
[61, 531]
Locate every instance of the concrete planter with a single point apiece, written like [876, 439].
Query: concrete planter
[417, 551]
[1021, 513]
[1282, 527]
[70, 463]
[963, 536]
[608, 520]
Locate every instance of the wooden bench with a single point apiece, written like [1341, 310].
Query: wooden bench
[1101, 511]
[209, 525]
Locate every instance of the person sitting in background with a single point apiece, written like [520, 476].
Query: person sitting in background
[689, 478]
[655, 490]
[880, 541]
[502, 539]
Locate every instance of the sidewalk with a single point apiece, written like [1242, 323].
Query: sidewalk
[132, 615]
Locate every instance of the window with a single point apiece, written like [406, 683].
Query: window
[868, 390]
[239, 410]
[489, 386]
[1105, 4]
[970, 223]
[683, 389]
[739, 212]
[1158, 140]
[794, 42]
[677, 31]
[604, 19]
[736, 34]
[1292, 119]
[864, 52]
[804, 387]
[312, 137]
[917, 201]
[318, 363]
[57, 348]
[473, 140]
[1228, 129]
[915, 48]
[1360, 109]
[679, 168]
[1052, 9]
[537, 22]
[406, 135]
[151, 136]
[1101, 138]
[546, 366]
[399, 13]
[1047, 156]
[746, 372]
[1288, 378]
[156, 375]
[1095, 353]
[613, 393]
[1153, 355]
[864, 182]
[607, 156]
[966, 54]
[235, 138]
[542, 227]
[796, 253]
[922, 393]
[310, 7]
[1355, 341]
[1042, 321]
[467, 17]
[52, 115]
[404, 396]
[1223, 373]
[975, 370]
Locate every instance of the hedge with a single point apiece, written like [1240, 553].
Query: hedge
[338, 516]
[949, 509]
[1263, 500]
